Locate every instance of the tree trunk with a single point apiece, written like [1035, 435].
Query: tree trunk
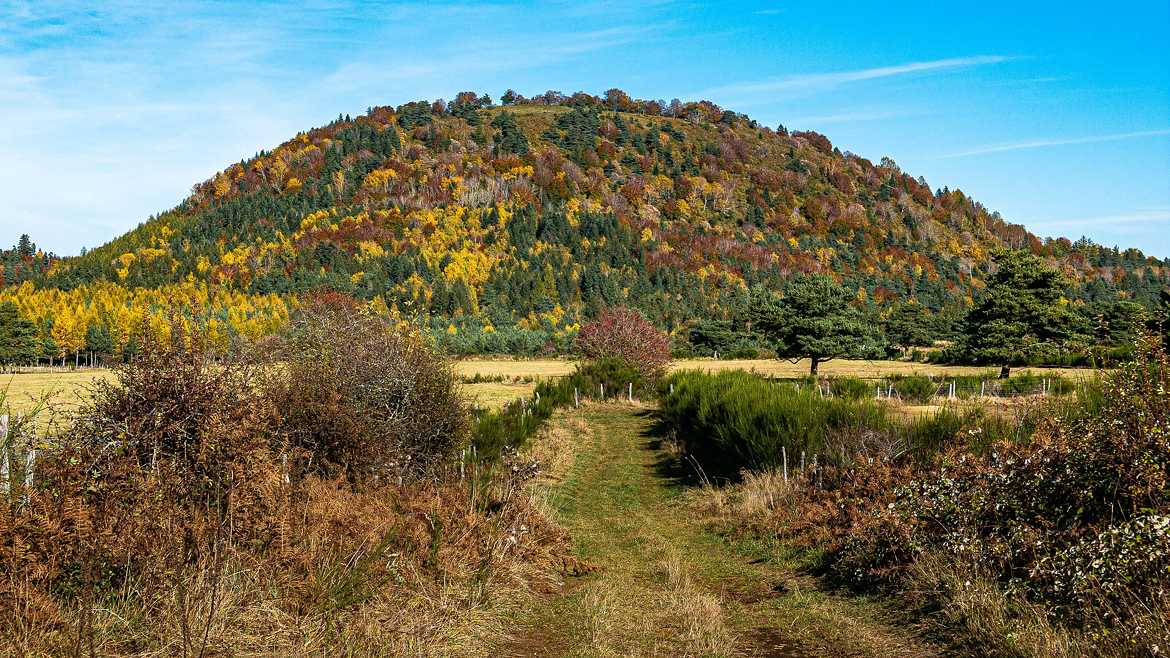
[812, 368]
[1005, 372]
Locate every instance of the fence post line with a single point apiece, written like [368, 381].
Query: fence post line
[602, 391]
[784, 456]
[576, 398]
[631, 392]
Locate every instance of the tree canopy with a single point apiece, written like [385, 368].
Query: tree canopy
[1022, 316]
[815, 320]
[18, 338]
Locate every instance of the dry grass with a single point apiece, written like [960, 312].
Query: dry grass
[26, 387]
[494, 395]
[64, 387]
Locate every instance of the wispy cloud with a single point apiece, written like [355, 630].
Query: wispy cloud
[1150, 215]
[848, 116]
[804, 82]
[1045, 143]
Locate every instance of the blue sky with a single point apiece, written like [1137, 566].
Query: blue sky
[1055, 114]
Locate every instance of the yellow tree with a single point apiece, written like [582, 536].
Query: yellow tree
[69, 330]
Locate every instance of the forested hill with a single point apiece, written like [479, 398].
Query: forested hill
[536, 212]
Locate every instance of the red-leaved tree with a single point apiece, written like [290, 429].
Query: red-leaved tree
[622, 333]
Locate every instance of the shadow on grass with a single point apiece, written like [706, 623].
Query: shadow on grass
[671, 463]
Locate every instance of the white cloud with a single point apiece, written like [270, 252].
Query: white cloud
[1151, 215]
[1044, 143]
[806, 82]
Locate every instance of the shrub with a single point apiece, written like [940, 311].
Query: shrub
[511, 427]
[914, 389]
[852, 388]
[362, 397]
[164, 521]
[1075, 518]
[178, 408]
[734, 420]
[622, 334]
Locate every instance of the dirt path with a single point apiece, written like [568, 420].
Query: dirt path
[663, 585]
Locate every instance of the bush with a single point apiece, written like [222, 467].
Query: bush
[1076, 518]
[622, 334]
[361, 397]
[177, 409]
[163, 519]
[851, 388]
[734, 420]
[510, 428]
[914, 389]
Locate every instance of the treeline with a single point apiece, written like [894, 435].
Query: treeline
[24, 262]
[1024, 317]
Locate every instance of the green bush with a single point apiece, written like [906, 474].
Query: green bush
[734, 420]
[914, 388]
[852, 388]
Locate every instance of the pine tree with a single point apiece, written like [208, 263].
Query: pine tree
[1022, 315]
[814, 320]
[25, 247]
[18, 338]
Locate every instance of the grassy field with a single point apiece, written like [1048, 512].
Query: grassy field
[518, 376]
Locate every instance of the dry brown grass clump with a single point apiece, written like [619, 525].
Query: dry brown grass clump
[179, 517]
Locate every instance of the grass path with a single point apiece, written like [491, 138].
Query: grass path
[662, 585]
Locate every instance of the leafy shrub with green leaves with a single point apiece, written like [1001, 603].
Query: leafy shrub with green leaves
[851, 388]
[512, 426]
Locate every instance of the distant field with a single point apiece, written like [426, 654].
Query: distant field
[544, 368]
[520, 376]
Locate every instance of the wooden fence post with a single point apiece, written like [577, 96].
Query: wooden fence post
[602, 391]
[631, 392]
[576, 398]
[784, 455]
[4, 453]
[30, 462]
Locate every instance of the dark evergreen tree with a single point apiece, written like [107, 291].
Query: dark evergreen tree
[18, 338]
[1021, 317]
[814, 320]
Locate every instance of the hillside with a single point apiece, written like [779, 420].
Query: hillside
[535, 214]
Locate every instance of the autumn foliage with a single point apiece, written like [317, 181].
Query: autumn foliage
[210, 504]
[624, 335]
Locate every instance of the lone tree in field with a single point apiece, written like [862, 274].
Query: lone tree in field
[1021, 316]
[910, 325]
[815, 319]
[622, 334]
[18, 338]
